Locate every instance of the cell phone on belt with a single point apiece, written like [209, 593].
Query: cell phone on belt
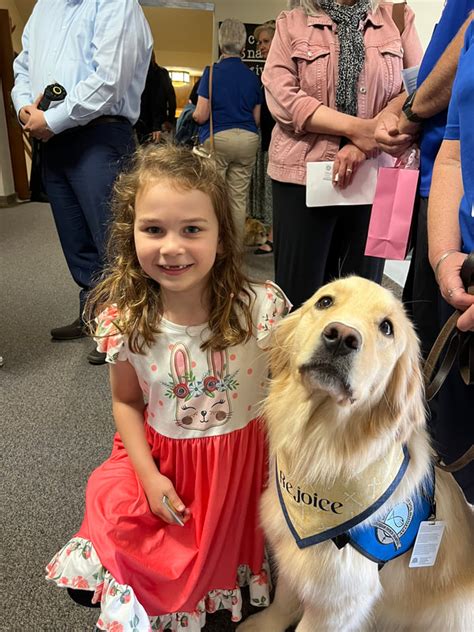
[177, 517]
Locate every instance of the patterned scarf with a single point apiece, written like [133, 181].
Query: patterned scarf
[352, 50]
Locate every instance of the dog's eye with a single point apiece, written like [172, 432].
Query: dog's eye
[324, 302]
[386, 327]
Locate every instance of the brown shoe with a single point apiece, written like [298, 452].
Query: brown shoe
[69, 332]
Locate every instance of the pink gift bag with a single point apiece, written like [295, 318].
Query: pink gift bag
[392, 210]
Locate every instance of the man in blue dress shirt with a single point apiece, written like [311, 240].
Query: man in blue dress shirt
[99, 51]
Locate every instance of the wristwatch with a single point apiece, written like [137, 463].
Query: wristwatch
[408, 112]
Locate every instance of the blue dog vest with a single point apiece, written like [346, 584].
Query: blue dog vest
[395, 533]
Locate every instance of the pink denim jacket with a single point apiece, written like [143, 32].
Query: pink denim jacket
[301, 74]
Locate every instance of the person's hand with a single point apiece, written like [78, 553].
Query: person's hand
[346, 163]
[407, 127]
[466, 320]
[388, 135]
[36, 125]
[24, 114]
[363, 136]
[161, 486]
[156, 136]
[451, 285]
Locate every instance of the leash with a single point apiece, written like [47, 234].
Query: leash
[454, 344]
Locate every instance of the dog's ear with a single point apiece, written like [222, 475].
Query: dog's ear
[402, 405]
[282, 345]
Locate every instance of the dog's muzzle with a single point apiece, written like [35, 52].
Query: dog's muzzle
[330, 365]
[341, 340]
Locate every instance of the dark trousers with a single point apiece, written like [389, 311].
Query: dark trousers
[79, 169]
[312, 246]
[421, 295]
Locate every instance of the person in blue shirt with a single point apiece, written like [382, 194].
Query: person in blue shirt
[395, 133]
[236, 102]
[450, 239]
[99, 52]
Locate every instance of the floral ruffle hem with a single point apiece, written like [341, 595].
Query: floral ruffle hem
[77, 565]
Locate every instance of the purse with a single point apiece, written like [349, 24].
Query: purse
[392, 210]
[199, 149]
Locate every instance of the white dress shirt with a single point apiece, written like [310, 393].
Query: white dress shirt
[99, 50]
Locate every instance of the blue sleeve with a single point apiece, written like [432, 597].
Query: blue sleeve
[203, 90]
[121, 48]
[452, 126]
[259, 92]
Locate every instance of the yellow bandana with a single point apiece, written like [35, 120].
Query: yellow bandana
[316, 513]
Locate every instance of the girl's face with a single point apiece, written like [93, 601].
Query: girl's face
[176, 238]
[263, 43]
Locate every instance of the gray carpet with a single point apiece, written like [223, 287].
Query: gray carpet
[56, 422]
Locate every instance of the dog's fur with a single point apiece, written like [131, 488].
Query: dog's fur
[334, 416]
[255, 232]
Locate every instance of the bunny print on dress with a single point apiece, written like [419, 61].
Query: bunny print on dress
[200, 403]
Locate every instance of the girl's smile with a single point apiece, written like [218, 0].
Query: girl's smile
[175, 270]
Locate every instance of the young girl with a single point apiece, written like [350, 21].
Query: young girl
[184, 333]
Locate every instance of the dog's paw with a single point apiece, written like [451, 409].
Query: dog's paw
[262, 622]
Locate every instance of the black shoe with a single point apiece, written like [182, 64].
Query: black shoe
[69, 332]
[83, 597]
[95, 357]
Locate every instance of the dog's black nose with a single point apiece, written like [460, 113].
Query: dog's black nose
[340, 339]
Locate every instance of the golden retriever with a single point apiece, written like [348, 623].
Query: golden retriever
[347, 389]
[255, 232]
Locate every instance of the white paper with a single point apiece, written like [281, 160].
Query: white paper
[427, 544]
[410, 78]
[320, 190]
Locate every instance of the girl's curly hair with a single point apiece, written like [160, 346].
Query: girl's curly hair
[137, 296]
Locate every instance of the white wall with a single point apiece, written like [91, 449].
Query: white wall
[427, 13]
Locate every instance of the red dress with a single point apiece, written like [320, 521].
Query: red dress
[204, 432]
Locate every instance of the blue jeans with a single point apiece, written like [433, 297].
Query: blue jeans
[79, 169]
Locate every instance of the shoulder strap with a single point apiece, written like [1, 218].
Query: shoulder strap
[398, 15]
[211, 126]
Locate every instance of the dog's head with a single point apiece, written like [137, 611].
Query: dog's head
[353, 344]
[255, 232]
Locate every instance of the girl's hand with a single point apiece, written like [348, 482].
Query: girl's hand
[451, 286]
[363, 136]
[161, 486]
[346, 163]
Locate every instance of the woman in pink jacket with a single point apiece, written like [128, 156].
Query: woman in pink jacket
[332, 68]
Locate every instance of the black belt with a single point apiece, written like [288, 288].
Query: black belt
[107, 119]
[100, 120]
